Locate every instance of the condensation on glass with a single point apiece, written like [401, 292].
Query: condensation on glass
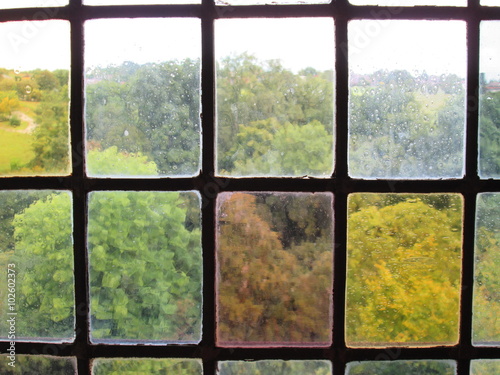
[319, 367]
[484, 366]
[142, 97]
[394, 5]
[489, 100]
[145, 267]
[184, 366]
[36, 256]
[407, 367]
[34, 98]
[275, 87]
[486, 310]
[403, 269]
[43, 14]
[274, 255]
[406, 99]
[139, 2]
[38, 364]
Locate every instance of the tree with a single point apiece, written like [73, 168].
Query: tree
[147, 366]
[145, 274]
[403, 283]
[275, 367]
[489, 135]
[401, 367]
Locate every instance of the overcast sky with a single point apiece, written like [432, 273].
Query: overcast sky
[434, 46]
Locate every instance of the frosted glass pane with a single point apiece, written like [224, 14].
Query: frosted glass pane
[434, 367]
[30, 364]
[406, 99]
[275, 97]
[275, 367]
[403, 269]
[394, 6]
[274, 269]
[44, 14]
[37, 302]
[485, 323]
[34, 98]
[142, 97]
[270, 2]
[485, 367]
[105, 366]
[489, 100]
[145, 267]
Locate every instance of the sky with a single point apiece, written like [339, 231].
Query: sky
[298, 43]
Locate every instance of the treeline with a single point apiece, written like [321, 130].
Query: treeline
[48, 92]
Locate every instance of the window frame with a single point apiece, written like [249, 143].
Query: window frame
[208, 185]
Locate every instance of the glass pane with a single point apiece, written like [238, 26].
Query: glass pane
[145, 266]
[139, 2]
[274, 269]
[275, 367]
[394, 5]
[30, 364]
[489, 100]
[275, 97]
[34, 98]
[269, 2]
[142, 97]
[104, 366]
[403, 271]
[485, 367]
[493, 3]
[402, 367]
[43, 14]
[36, 256]
[407, 99]
[485, 323]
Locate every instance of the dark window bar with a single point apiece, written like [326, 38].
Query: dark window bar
[208, 185]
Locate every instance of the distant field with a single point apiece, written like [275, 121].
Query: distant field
[14, 147]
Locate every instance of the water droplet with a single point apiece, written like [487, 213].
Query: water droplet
[17, 71]
[125, 133]
[28, 89]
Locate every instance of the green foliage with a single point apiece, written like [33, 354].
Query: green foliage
[110, 162]
[275, 367]
[44, 263]
[485, 367]
[404, 263]
[489, 135]
[146, 367]
[15, 121]
[30, 364]
[401, 367]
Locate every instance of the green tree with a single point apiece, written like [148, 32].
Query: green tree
[146, 367]
[489, 135]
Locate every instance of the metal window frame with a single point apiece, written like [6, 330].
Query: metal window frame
[208, 185]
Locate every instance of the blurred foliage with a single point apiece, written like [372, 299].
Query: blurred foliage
[146, 366]
[275, 367]
[489, 135]
[401, 367]
[268, 292]
[30, 365]
[485, 367]
[404, 262]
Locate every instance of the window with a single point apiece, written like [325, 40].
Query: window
[165, 190]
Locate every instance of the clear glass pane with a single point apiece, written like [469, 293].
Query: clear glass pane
[489, 100]
[105, 366]
[30, 364]
[43, 14]
[395, 5]
[402, 367]
[274, 269]
[145, 266]
[485, 322]
[403, 271]
[139, 2]
[34, 98]
[406, 99]
[275, 97]
[485, 367]
[37, 302]
[275, 367]
[142, 97]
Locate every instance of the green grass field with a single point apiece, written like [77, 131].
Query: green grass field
[14, 147]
